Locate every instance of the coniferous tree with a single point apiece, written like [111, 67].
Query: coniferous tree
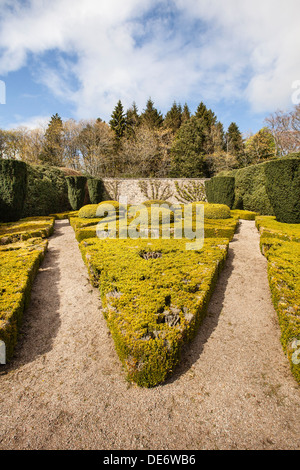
[186, 114]
[173, 117]
[187, 151]
[209, 120]
[151, 117]
[53, 148]
[234, 141]
[118, 121]
[132, 120]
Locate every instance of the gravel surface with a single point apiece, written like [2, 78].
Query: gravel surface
[65, 388]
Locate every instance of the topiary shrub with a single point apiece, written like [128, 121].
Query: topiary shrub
[88, 211]
[47, 191]
[151, 214]
[213, 211]
[159, 202]
[13, 187]
[76, 191]
[283, 188]
[250, 190]
[96, 190]
[220, 190]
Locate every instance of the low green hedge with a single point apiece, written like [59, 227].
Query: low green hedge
[213, 228]
[102, 209]
[244, 215]
[280, 243]
[213, 211]
[269, 227]
[19, 264]
[154, 298]
[64, 215]
[31, 227]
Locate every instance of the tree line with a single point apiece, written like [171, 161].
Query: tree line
[148, 144]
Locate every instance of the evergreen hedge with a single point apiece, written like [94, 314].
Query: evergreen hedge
[250, 190]
[47, 191]
[13, 187]
[220, 190]
[76, 191]
[283, 188]
[96, 190]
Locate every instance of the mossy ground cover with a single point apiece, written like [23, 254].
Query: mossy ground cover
[280, 243]
[154, 292]
[19, 263]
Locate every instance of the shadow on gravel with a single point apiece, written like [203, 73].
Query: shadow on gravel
[192, 351]
[41, 320]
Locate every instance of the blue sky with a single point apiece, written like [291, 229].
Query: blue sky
[78, 58]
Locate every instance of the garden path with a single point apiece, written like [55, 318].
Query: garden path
[65, 388]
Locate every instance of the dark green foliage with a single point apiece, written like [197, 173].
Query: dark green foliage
[76, 191]
[187, 152]
[151, 117]
[234, 140]
[220, 190]
[53, 148]
[96, 190]
[13, 186]
[283, 188]
[186, 114]
[47, 191]
[173, 117]
[118, 121]
[132, 121]
[250, 190]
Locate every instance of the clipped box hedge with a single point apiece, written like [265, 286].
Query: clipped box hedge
[24, 229]
[280, 243]
[19, 264]
[153, 291]
[244, 215]
[154, 298]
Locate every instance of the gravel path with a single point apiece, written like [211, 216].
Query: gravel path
[65, 389]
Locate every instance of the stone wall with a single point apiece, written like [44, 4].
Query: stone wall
[138, 190]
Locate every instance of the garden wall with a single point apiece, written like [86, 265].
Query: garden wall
[170, 189]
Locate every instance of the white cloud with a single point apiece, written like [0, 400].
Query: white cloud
[128, 50]
[34, 122]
